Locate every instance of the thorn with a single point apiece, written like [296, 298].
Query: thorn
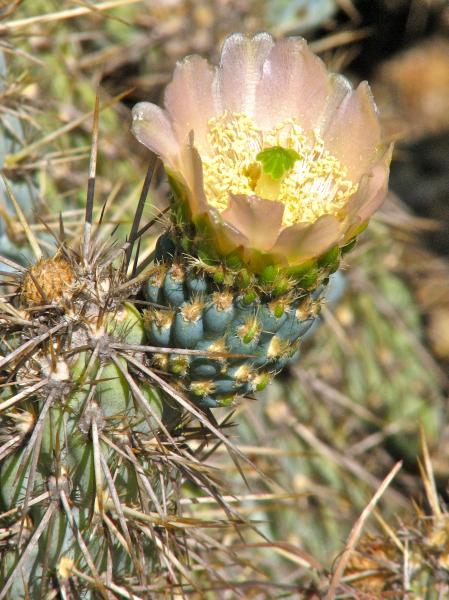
[33, 448]
[152, 168]
[42, 294]
[117, 505]
[31, 344]
[21, 395]
[103, 209]
[136, 259]
[32, 240]
[12, 264]
[154, 220]
[97, 463]
[427, 474]
[91, 184]
[31, 544]
[82, 545]
[58, 238]
[61, 228]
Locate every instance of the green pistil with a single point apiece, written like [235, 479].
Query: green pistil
[276, 161]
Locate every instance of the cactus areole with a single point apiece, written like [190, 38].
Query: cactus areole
[275, 167]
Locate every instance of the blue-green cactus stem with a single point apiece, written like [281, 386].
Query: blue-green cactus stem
[204, 367]
[158, 324]
[219, 313]
[225, 386]
[196, 284]
[173, 286]
[294, 326]
[188, 325]
[153, 285]
[220, 307]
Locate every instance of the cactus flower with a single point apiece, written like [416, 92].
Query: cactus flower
[269, 155]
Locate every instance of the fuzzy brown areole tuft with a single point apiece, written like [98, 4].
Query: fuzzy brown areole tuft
[47, 281]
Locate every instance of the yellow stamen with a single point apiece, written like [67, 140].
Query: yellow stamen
[316, 185]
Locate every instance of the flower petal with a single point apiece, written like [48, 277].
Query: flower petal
[259, 220]
[241, 64]
[153, 129]
[308, 240]
[372, 190]
[228, 236]
[189, 98]
[340, 87]
[192, 173]
[354, 134]
[295, 83]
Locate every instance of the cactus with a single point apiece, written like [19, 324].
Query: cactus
[92, 454]
[94, 446]
[97, 395]
[68, 439]
[228, 278]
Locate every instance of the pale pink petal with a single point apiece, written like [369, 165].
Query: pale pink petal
[153, 129]
[354, 134]
[189, 98]
[340, 87]
[259, 220]
[241, 64]
[308, 240]
[228, 236]
[192, 173]
[295, 83]
[372, 190]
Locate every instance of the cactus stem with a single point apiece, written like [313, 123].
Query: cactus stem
[31, 544]
[149, 413]
[81, 542]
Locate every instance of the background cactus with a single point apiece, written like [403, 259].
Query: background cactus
[12, 138]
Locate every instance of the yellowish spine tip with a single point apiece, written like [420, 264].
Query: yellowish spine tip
[65, 567]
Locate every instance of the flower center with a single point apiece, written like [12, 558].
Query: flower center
[305, 177]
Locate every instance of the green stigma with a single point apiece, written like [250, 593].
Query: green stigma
[276, 161]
